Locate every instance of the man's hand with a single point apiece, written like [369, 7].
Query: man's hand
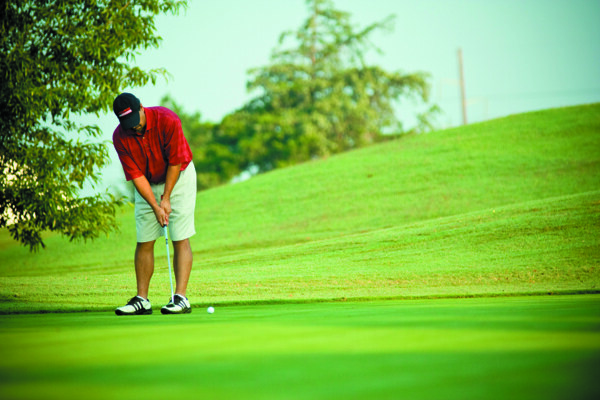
[161, 216]
[162, 210]
[173, 172]
[165, 205]
[145, 190]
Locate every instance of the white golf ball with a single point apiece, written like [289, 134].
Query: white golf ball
[210, 310]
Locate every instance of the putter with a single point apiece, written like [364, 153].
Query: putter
[169, 263]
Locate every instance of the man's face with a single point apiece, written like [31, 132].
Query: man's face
[141, 127]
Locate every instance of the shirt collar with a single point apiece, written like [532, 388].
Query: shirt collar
[150, 120]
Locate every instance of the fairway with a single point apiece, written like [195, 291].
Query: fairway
[493, 348]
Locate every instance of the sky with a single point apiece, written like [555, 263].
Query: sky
[518, 55]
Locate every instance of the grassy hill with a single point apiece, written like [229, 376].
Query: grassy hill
[502, 207]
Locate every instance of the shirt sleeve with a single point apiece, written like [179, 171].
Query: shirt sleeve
[129, 166]
[177, 148]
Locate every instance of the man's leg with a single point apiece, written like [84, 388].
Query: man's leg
[144, 266]
[181, 225]
[182, 262]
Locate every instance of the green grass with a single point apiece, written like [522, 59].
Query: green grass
[484, 348]
[548, 246]
[510, 206]
[389, 272]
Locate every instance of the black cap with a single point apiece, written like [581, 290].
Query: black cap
[127, 108]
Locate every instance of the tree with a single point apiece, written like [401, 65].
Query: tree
[59, 60]
[318, 96]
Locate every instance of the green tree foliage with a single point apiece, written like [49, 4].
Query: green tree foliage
[59, 60]
[318, 96]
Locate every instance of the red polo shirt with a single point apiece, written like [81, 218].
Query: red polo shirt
[161, 145]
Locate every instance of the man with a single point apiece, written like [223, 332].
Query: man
[157, 158]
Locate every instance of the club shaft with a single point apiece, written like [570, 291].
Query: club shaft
[169, 263]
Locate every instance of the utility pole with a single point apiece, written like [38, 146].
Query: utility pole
[463, 96]
[313, 45]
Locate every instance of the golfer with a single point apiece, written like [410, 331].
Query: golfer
[157, 158]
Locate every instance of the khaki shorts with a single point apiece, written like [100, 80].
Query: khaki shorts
[183, 203]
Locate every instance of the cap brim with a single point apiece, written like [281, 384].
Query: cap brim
[130, 121]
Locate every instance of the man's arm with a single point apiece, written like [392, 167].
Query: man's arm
[173, 172]
[143, 187]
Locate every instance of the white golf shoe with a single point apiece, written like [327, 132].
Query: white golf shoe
[136, 306]
[179, 305]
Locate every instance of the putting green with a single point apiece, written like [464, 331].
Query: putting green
[493, 348]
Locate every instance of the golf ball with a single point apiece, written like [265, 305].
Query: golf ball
[210, 310]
